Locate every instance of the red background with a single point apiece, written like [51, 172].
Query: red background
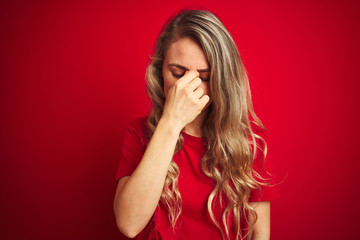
[72, 75]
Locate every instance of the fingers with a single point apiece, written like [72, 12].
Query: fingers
[204, 100]
[192, 85]
[198, 93]
[193, 89]
[188, 76]
[199, 96]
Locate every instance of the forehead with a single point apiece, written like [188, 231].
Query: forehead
[188, 53]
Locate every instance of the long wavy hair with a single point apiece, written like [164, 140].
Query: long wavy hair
[231, 142]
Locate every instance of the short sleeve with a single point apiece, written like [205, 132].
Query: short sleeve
[132, 147]
[265, 170]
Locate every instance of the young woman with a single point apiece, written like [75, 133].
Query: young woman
[194, 168]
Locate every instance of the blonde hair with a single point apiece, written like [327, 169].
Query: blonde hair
[231, 141]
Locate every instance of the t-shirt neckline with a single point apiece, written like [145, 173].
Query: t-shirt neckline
[189, 139]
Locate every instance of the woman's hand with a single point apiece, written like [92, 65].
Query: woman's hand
[185, 100]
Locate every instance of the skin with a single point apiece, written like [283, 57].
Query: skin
[262, 225]
[185, 73]
[186, 54]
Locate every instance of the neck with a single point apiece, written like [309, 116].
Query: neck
[194, 128]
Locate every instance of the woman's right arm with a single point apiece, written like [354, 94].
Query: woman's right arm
[136, 201]
[137, 196]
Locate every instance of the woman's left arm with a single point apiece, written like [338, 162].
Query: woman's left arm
[262, 225]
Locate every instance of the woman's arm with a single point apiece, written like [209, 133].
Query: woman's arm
[138, 195]
[262, 225]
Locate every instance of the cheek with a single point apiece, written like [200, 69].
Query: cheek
[206, 87]
[168, 83]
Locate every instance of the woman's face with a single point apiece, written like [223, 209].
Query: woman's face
[183, 55]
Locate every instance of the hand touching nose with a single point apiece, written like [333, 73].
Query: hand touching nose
[185, 99]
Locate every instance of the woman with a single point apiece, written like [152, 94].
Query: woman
[193, 168]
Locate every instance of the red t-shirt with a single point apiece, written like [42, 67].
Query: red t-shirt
[194, 186]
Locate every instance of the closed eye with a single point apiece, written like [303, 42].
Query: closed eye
[177, 75]
[181, 75]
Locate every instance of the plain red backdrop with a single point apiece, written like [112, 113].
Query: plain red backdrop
[72, 75]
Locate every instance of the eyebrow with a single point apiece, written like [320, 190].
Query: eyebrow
[186, 69]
